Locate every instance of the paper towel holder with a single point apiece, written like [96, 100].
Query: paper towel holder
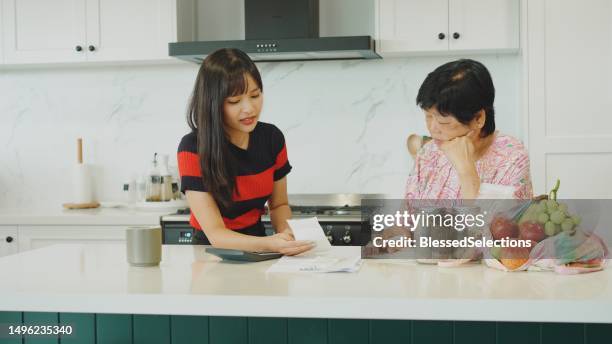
[84, 184]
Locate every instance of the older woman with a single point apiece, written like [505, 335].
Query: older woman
[466, 153]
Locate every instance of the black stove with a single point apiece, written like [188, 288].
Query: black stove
[326, 210]
[338, 214]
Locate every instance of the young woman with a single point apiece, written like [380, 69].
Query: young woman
[231, 164]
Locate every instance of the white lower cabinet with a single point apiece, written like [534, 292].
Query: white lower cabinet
[8, 240]
[32, 237]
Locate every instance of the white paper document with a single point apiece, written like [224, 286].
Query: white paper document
[316, 264]
[309, 229]
[323, 258]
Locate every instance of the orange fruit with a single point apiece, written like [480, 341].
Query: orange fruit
[513, 263]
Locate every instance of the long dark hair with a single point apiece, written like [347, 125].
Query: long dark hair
[222, 74]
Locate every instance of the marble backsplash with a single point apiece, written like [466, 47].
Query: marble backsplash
[345, 122]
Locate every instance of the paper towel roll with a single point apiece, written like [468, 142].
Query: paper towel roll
[82, 185]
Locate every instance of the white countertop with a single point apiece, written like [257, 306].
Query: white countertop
[97, 279]
[111, 216]
[97, 216]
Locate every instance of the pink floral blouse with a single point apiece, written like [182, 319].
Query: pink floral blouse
[506, 162]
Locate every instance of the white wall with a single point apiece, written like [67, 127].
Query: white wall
[345, 122]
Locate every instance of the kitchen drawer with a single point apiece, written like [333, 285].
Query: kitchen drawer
[8, 240]
[32, 237]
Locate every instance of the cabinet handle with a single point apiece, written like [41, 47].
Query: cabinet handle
[456, 35]
[92, 48]
[78, 48]
[441, 36]
[9, 239]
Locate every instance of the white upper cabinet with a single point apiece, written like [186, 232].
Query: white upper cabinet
[412, 25]
[484, 24]
[47, 31]
[43, 30]
[129, 30]
[416, 26]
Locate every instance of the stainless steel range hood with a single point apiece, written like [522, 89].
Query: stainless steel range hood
[281, 30]
[289, 49]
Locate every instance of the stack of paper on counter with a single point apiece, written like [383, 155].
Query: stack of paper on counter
[323, 258]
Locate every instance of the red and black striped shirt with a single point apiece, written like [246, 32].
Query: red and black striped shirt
[258, 167]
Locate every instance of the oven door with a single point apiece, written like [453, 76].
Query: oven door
[178, 233]
[350, 233]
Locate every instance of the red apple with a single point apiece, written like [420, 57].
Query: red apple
[502, 227]
[531, 230]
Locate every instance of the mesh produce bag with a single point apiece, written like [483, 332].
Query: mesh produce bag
[559, 240]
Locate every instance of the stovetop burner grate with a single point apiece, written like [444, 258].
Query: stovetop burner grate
[309, 210]
[325, 210]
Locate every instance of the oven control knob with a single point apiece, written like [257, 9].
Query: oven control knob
[347, 237]
[329, 236]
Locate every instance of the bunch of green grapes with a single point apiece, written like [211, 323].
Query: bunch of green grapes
[555, 217]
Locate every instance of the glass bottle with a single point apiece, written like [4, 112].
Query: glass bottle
[166, 193]
[154, 182]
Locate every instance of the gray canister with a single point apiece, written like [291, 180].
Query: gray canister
[144, 245]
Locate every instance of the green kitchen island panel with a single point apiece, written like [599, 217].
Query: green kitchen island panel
[177, 329]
